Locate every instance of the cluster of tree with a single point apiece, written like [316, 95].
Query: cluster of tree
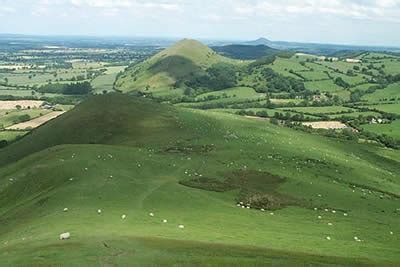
[218, 77]
[340, 82]
[245, 52]
[66, 89]
[280, 83]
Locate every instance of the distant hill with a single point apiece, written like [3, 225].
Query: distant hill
[163, 71]
[245, 52]
[259, 41]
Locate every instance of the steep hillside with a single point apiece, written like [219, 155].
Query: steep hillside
[179, 177]
[160, 74]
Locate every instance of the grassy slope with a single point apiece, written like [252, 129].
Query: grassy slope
[127, 138]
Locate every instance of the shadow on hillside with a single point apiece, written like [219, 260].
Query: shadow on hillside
[177, 67]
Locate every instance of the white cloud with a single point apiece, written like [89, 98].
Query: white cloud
[377, 10]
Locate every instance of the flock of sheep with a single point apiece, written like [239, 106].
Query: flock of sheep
[67, 235]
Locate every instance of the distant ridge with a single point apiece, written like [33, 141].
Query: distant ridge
[317, 48]
[245, 52]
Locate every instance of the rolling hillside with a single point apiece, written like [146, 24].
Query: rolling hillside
[179, 176]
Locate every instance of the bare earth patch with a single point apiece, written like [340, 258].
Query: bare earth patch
[326, 125]
[257, 118]
[35, 122]
[12, 104]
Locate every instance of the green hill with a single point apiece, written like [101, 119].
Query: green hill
[159, 75]
[134, 157]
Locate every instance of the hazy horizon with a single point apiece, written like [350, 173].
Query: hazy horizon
[352, 22]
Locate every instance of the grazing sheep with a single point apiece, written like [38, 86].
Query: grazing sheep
[165, 221]
[65, 236]
[151, 214]
[123, 217]
[345, 214]
[319, 217]
[262, 209]
[271, 213]
[65, 209]
[328, 238]
[333, 211]
[330, 224]
[181, 226]
[99, 211]
[391, 232]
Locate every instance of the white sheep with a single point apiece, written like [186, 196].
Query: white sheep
[123, 217]
[99, 211]
[65, 209]
[181, 226]
[319, 217]
[165, 221]
[65, 236]
[328, 238]
[151, 214]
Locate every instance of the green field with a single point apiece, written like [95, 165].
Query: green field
[392, 129]
[323, 86]
[128, 156]
[389, 93]
[389, 108]
[11, 135]
[323, 110]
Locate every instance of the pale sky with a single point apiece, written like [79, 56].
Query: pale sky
[366, 22]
